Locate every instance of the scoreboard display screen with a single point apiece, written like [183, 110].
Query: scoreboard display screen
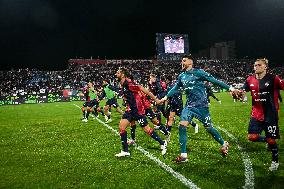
[172, 43]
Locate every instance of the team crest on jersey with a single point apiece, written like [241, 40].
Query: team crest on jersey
[266, 84]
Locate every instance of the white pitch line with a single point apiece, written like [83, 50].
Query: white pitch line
[175, 174]
[249, 175]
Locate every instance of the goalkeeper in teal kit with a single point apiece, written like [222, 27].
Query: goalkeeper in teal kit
[191, 81]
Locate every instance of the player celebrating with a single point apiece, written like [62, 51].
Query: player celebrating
[158, 88]
[209, 92]
[149, 114]
[264, 117]
[108, 92]
[94, 102]
[174, 107]
[134, 111]
[192, 82]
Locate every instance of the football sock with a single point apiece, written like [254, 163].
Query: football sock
[169, 128]
[216, 135]
[182, 138]
[156, 137]
[133, 129]
[163, 129]
[274, 150]
[87, 115]
[102, 112]
[95, 113]
[123, 137]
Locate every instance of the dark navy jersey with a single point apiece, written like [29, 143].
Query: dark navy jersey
[176, 99]
[158, 89]
[264, 94]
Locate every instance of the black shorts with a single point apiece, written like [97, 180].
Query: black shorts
[271, 129]
[174, 108]
[93, 103]
[134, 116]
[150, 114]
[112, 102]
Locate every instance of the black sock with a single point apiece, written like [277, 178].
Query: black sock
[102, 112]
[169, 128]
[156, 137]
[95, 113]
[274, 151]
[133, 129]
[87, 115]
[123, 137]
[163, 129]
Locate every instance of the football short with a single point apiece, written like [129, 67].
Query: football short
[150, 114]
[93, 103]
[271, 129]
[200, 113]
[134, 116]
[174, 108]
[112, 102]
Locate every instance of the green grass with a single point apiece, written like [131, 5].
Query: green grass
[47, 146]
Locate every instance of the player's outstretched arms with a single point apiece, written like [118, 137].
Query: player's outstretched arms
[147, 92]
[237, 94]
[161, 101]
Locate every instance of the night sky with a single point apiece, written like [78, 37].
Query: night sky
[44, 34]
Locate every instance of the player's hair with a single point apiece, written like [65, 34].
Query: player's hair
[264, 60]
[106, 80]
[189, 56]
[124, 71]
[153, 75]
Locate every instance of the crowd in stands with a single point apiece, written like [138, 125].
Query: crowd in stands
[32, 81]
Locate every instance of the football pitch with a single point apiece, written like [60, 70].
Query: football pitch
[48, 146]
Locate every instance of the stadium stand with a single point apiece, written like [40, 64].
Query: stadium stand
[80, 71]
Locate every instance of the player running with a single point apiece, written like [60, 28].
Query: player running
[89, 104]
[135, 111]
[150, 115]
[192, 82]
[174, 106]
[264, 88]
[109, 93]
[209, 92]
[158, 88]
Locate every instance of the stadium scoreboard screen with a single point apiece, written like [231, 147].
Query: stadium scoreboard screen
[167, 44]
